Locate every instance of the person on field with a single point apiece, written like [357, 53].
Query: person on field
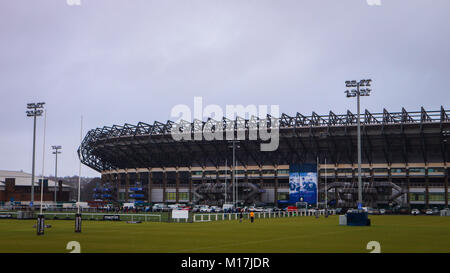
[252, 216]
[241, 215]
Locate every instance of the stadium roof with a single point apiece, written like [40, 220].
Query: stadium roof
[404, 136]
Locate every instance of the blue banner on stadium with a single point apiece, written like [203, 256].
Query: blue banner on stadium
[303, 183]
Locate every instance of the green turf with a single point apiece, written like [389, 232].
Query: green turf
[296, 234]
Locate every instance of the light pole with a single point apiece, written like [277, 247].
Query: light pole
[56, 152]
[41, 218]
[326, 189]
[357, 93]
[78, 214]
[35, 111]
[226, 175]
[234, 181]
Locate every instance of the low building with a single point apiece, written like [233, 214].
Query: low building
[16, 186]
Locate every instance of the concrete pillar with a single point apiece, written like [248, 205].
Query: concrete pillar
[127, 186]
[232, 182]
[164, 185]
[319, 184]
[150, 185]
[275, 199]
[177, 189]
[427, 192]
[389, 173]
[118, 186]
[371, 186]
[103, 178]
[245, 179]
[408, 197]
[203, 175]
[260, 182]
[353, 183]
[190, 185]
[446, 186]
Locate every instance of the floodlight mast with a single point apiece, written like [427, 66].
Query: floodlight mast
[234, 180]
[226, 175]
[41, 218]
[43, 164]
[326, 189]
[357, 93]
[56, 152]
[79, 170]
[78, 214]
[35, 111]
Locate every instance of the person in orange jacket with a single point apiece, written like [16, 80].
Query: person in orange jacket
[252, 216]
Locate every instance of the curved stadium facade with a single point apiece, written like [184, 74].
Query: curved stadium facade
[404, 161]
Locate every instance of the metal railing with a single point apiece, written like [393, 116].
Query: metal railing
[207, 217]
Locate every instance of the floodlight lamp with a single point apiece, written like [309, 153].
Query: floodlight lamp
[365, 92]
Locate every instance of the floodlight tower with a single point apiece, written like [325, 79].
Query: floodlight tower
[41, 217]
[78, 214]
[35, 111]
[357, 93]
[56, 152]
[234, 181]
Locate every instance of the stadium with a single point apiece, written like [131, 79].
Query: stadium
[404, 161]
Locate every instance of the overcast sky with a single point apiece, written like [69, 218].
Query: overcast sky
[124, 61]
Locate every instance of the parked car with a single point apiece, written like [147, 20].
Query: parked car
[415, 212]
[382, 211]
[205, 209]
[429, 212]
[255, 208]
[227, 207]
[216, 209]
[403, 211]
[187, 208]
[159, 207]
[373, 211]
[341, 211]
[436, 210]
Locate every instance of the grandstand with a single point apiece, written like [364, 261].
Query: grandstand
[404, 160]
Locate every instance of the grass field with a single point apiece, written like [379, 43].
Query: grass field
[296, 234]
